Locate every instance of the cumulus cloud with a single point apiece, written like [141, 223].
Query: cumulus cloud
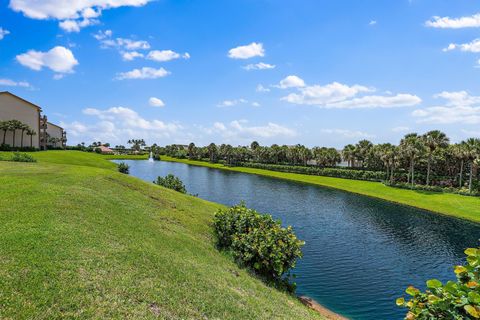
[372, 23]
[73, 15]
[458, 107]
[454, 23]
[251, 50]
[143, 73]
[166, 55]
[259, 66]
[261, 88]
[342, 96]
[131, 55]
[291, 82]
[240, 130]
[473, 46]
[12, 83]
[231, 103]
[58, 59]
[3, 33]
[118, 124]
[156, 102]
[351, 134]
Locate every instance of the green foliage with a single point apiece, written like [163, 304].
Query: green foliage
[421, 187]
[454, 300]
[98, 150]
[171, 182]
[22, 157]
[123, 168]
[327, 172]
[257, 241]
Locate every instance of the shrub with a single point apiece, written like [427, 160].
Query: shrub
[22, 157]
[421, 187]
[257, 241]
[171, 182]
[454, 300]
[123, 168]
[98, 150]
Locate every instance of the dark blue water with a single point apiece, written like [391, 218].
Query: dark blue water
[360, 253]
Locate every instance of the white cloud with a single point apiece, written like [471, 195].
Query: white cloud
[259, 66]
[341, 96]
[471, 133]
[131, 55]
[12, 83]
[255, 104]
[254, 49]
[454, 23]
[458, 107]
[166, 55]
[261, 88]
[372, 22]
[240, 130]
[102, 35]
[401, 129]
[231, 103]
[143, 73]
[473, 46]
[123, 44]
[118, 124]
[348, 133]
[58, 59]
[156, 102]
[73, 15]
[291, 82]
[3, 33]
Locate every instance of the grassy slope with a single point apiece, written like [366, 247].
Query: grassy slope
[449, 204]
[83, 241]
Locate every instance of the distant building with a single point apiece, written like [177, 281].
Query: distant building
[105, 150]
[56, 136]
[13, 107]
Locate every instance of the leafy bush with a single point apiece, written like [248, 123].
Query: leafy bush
[171, 182]
[454, 300]
[257, 241]
[420, 187]
[98, 150]
[22, 157]
[328, 172]
[123, 168]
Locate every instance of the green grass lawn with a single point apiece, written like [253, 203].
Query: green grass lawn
[455, 205]
[80, 241]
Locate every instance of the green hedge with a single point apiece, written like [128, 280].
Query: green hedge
[328, 172]
[257, 241]
[421, 187]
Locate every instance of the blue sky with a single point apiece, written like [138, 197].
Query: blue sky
[315, 72]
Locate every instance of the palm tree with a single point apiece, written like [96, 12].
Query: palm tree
[31, 133]
[24, 128]
[433, 140]
[212, 151]
[460, 153]
[385, 152]
[191, 150]
[472, 148]
[362, 151]
[4, 125]
[411, 147]
[14, 126]
[348, 154]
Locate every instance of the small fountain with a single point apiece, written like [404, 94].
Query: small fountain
[150, 158]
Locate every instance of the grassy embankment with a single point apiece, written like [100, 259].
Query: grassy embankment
[455, 205]
[80, 240]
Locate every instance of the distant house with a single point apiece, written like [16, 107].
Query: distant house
[13, 107]
[105, 150]
[56, 136]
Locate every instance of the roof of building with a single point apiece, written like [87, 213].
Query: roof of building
[52, 124]
[21, 99]
[105, 149]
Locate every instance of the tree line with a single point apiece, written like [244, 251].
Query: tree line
[13, 126]
[429, 159]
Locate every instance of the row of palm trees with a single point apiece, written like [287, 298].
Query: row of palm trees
[428, 159]
[13, 126]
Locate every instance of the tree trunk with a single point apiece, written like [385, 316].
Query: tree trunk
[31, 141]
[14, 131]
[428, 168]
[471, 178]
[461, 174]
[391, 174]
[21, 143]
[4, 136]
[413, 172]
